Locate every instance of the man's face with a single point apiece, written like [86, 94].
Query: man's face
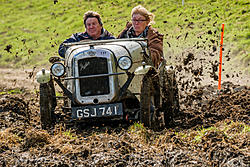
[93, 27]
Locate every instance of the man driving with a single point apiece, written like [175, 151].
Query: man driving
[94, 31]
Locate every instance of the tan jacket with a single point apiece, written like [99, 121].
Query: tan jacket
[155, 42]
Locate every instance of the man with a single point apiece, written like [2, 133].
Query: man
[94, 31]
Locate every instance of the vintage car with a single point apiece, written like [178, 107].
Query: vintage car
[109, 80]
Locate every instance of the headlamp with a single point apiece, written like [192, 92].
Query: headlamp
[125, 63]
[57, 69]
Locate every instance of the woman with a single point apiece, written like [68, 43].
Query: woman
[141, 28]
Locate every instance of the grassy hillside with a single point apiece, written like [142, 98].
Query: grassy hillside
[31, 30]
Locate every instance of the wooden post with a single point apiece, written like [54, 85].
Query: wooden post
[221, 48]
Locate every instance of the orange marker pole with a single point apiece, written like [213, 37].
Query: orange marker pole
[220, 65]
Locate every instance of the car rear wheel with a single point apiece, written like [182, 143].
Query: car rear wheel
[170, 101]
[47, 104]
[150, 100]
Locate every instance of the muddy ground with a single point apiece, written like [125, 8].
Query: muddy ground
[212, 130]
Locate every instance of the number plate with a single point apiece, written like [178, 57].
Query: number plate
[105, 110]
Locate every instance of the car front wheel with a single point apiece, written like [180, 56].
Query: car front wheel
[47, 104]
[150, 99]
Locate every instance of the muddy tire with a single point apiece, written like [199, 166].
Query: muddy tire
[170, 101]
[47, 104]
[150, 100]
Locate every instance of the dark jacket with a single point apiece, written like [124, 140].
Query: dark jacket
[82, 36]
[155, 41]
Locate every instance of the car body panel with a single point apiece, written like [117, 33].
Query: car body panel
[112, 51]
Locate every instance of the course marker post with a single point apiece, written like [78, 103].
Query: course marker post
[221, 48]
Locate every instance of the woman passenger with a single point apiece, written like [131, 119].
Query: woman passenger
[141, 28]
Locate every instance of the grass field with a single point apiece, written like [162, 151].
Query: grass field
[31, 30]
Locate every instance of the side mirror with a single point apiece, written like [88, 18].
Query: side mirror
[43, 76]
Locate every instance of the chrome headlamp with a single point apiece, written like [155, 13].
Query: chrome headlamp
[125, 63]
[57, 69]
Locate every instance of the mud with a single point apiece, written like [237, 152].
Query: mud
[24, 143]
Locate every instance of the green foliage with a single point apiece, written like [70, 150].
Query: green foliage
[137, 127]
[33, 30]
[228, 130]
[202, 132]
[69, 134]
[12, 91]
[59, 94]
[246, 129]
[144, 134]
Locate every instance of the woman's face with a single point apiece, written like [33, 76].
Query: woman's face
[139, 23]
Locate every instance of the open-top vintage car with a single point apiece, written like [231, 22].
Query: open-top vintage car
[109, 80]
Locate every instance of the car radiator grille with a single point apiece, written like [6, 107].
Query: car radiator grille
[96, 85]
